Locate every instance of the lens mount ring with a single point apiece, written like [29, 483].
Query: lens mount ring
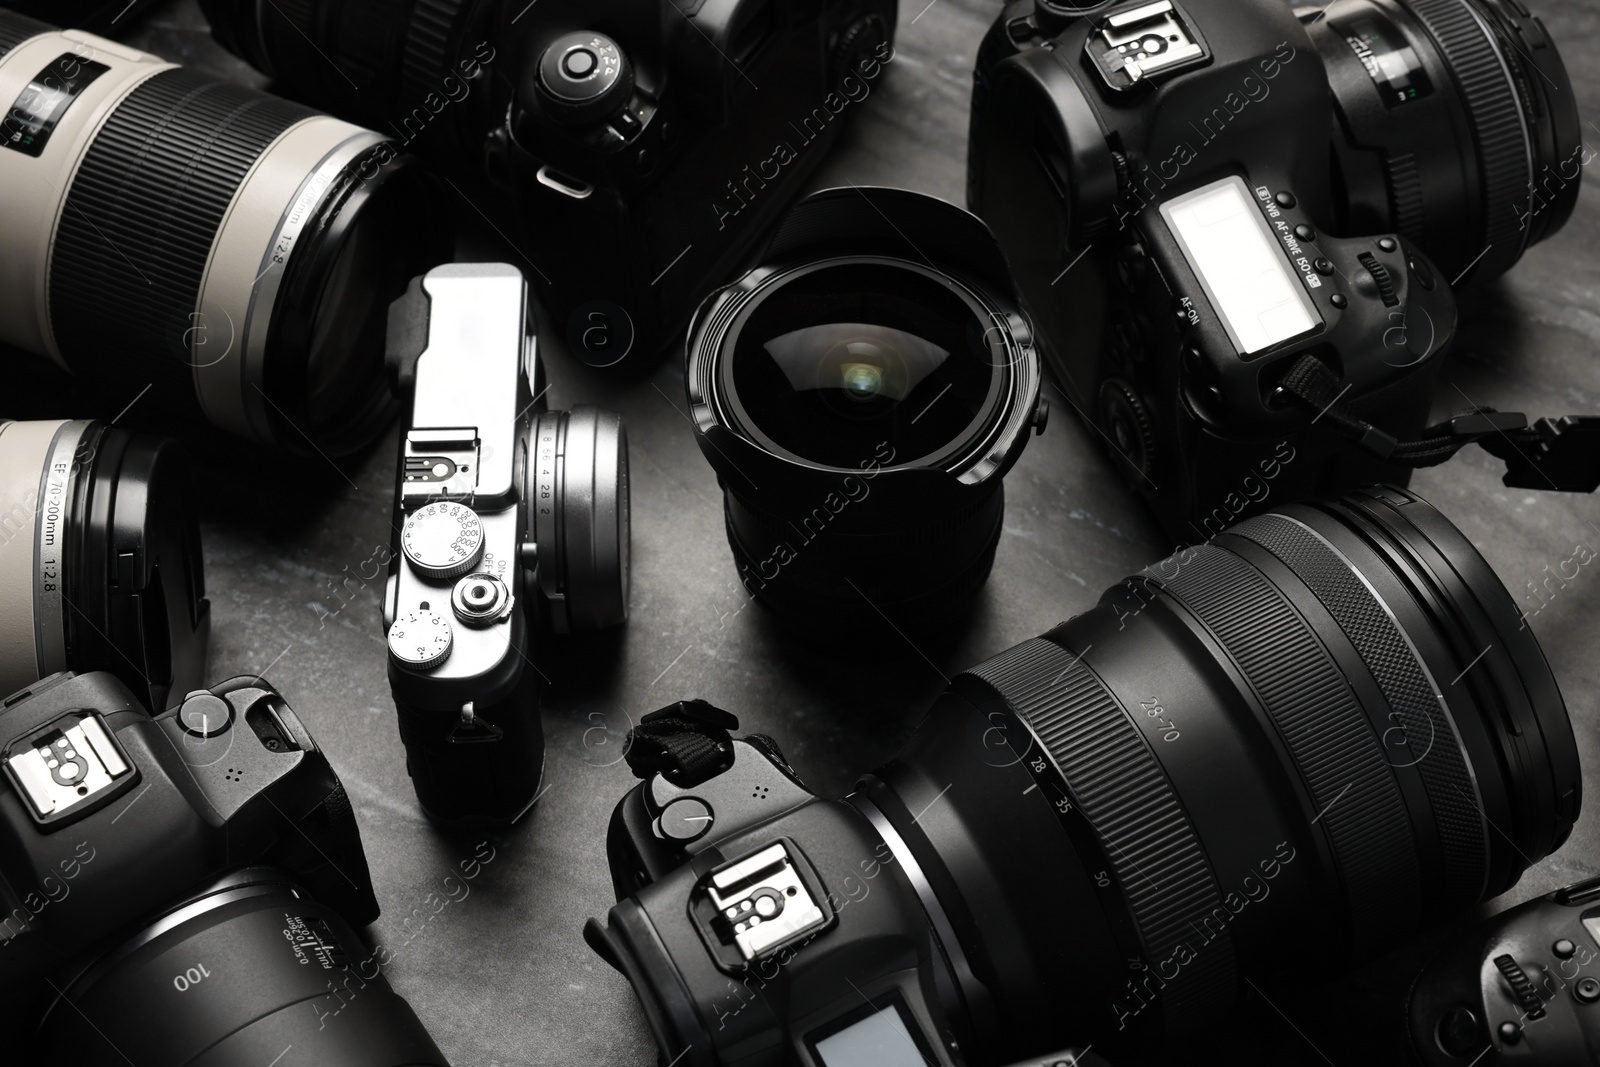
[59, 485]
[1110, 773]
[1410, 690]
[1306, 699]
[1470, 49]
[248, 376]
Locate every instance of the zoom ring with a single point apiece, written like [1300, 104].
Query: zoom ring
[142, 214]
[1358, 801]
[1408, 690]
[427, 60]
[1126, 797]
[1493, 110]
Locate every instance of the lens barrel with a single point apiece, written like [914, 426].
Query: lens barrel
[100, 562]
[390, 63]
[240, 972]
[1456, 124]
[578, 503]
[861, 399]
[1325, 729]
[224, 243]
[97, 15]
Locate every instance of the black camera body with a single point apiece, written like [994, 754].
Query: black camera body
[656, 184]
[713, 846]
[133, 849]
[1523, 987]
[509, 519]
[1169, 239]
[644, 146]
[804, 941]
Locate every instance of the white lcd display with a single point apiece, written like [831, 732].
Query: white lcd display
[879, 1040]
[1251, 283]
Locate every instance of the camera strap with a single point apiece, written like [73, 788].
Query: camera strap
[1562, 454]
[687, 742]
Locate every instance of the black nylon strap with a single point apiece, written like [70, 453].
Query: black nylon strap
[687, 742]
[1559, 454]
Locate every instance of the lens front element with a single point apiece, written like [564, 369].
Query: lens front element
[834, 363]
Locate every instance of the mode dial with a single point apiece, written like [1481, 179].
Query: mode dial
[584, 77]
[443, 540]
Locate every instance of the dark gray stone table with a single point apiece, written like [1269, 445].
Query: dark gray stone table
[502, 977]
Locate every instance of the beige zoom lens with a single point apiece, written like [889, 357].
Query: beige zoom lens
[36, 471]
[165, 226]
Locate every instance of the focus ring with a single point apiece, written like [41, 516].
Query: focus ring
[1124, 794]
[142, 214]
[14, 29]
[1409, 692]
[1328, 735]
[1495, 115]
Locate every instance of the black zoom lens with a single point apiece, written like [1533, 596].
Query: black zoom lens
[1457, 125]
[238, 975]
[861, 399]
[1300, 742]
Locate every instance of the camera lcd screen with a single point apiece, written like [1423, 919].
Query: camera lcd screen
[881, 1039]
[1245, 273]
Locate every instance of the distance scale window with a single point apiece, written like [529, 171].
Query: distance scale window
[39, 109]
[1394, 66]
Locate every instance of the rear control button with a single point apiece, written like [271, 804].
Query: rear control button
[1340, 301]
[1305, 233]
[1324, 266]
[1387, 244]
[1587, 991]
[1286, 200]
[1564, 949]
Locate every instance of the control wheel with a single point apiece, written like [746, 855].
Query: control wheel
[857, 41]
[1126, 421]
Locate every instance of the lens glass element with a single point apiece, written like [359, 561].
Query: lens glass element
[834, 361]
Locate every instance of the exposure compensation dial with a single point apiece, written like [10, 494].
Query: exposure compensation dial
[420, 640]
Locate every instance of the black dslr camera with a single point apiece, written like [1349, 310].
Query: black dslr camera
[201, 867]
[508, 517]
[1524, 987]
[777, 912]
[644, 145]
[1237, 229]
[1096, 837]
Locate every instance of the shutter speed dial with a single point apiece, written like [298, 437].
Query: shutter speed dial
[443, 540]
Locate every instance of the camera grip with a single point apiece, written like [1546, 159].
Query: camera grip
[463, 777]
